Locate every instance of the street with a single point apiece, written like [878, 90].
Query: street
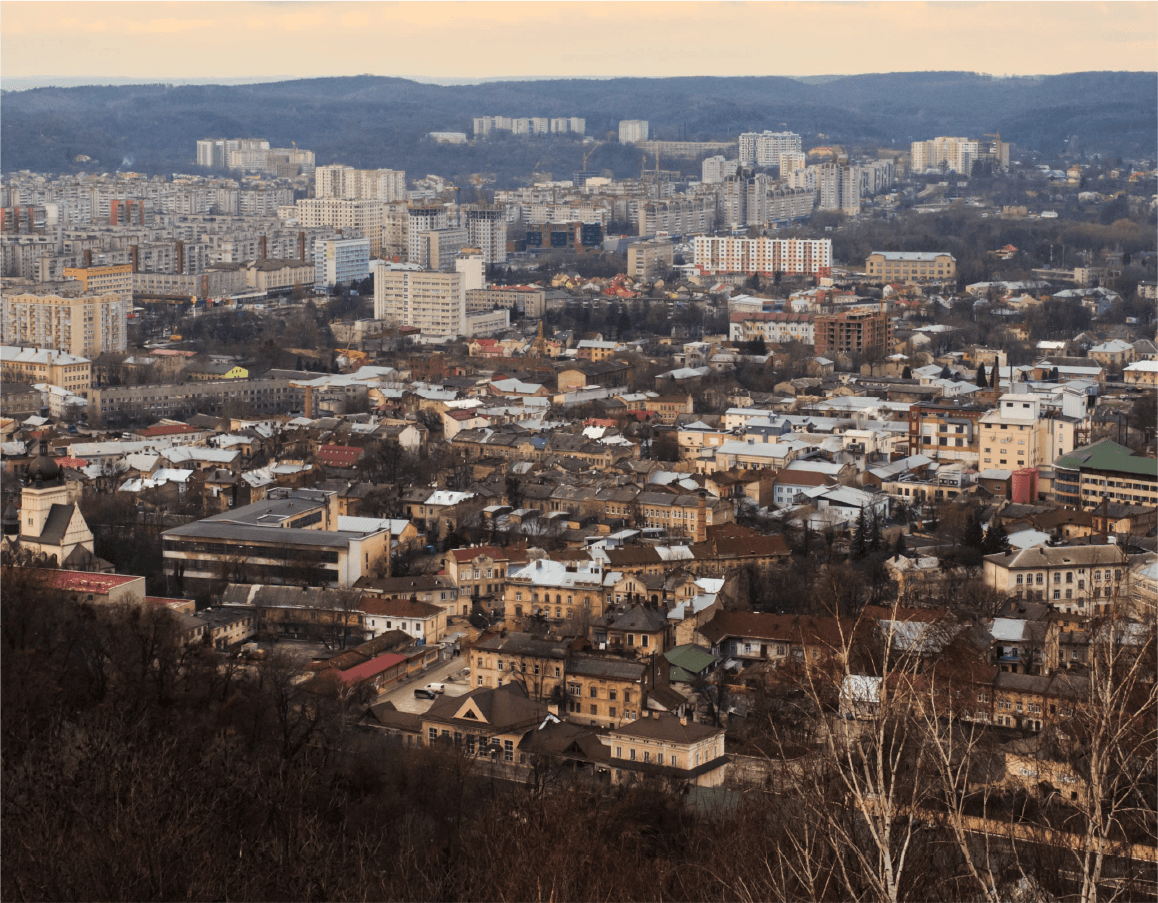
[402, 694]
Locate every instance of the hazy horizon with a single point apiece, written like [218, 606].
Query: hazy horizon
[569, 40]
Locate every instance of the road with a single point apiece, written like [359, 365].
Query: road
[448, 672]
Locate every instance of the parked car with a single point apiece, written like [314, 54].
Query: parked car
[423, 693]
[436, 688]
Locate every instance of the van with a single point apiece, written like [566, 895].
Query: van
[436, 688]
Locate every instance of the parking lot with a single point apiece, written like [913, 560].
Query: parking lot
[448, 673]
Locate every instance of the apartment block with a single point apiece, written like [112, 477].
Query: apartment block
[339, 261]
[486, 227]
[956, 154]
[1021, 432]
[767, 256]
[361, 216]
[716, 169]
[60, 317]
[649, 259]
[433, 302]
[348, 183]
[775, 327]
[632, 131]
[765, 148]
[853, 332]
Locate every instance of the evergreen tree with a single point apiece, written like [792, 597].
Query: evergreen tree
[899, 546]
[982, 377]
[993, 375]
[996, 540]
[874, 532]
[971, 542]
[946, 373]
[859, 547]
[907, 373]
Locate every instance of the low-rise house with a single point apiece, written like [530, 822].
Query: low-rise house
[424, 621]
[1073, 579]
[661, 745]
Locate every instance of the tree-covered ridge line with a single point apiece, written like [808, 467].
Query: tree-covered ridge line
[380, 121]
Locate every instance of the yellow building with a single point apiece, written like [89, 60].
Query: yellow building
[59, 315]
[663, 745]
[116, 278]
[38, 365]
[910, 266]
[217, 370]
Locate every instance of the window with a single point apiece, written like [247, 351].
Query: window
[433, 733]
[611, 711]
[508, 750]
[632, 754]
[611, 694]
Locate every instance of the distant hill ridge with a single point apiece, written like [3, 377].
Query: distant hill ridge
[381, 121]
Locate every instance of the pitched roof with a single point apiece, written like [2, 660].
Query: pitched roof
[339, 455]
[662, 726]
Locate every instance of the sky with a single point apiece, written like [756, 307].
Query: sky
[159, 41]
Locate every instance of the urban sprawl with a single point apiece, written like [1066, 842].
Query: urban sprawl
[734, 480]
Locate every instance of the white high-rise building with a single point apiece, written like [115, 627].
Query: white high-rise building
[632, 131]
[716, 169]
[433, 302]
[957, 154]
[345, 182]
[422, 218]
[765, 148]
[340, 260]
[486, 228]
[791, 162]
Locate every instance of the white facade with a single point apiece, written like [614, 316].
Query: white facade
[433, 302]
[763, 255]
[632, 131]
[957, 154]
[345, 182]
[765, 148]
[716, 169]
[340, 260]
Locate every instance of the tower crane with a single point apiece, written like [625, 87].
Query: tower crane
[587, 156]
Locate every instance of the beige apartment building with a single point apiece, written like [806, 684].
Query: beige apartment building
[364, 216]
[1018, 433]
[39, 365]
[910, 266]
[117, 278]
[434, 302]
[58, 316]
[649, 259]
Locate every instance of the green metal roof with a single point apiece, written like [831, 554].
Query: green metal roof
[1108, 455]
[690, 658]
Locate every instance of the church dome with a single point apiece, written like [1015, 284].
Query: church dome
[10, 521]
[43, 470]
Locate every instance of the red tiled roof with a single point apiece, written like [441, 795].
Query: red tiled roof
[339, 455]
[85, 582]
[399, 608]
[74, 463]
[801, 478]
[174, 429]
[374, 666]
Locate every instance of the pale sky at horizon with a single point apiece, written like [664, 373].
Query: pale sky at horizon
[159, 40]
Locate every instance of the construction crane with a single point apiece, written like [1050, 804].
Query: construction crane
[587, 156]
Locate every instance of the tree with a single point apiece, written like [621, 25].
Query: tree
[996, 540]
[858, 548]
[907, 373]
[899, 546]
[982, 377]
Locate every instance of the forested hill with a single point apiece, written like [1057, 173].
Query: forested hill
[378, 121]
